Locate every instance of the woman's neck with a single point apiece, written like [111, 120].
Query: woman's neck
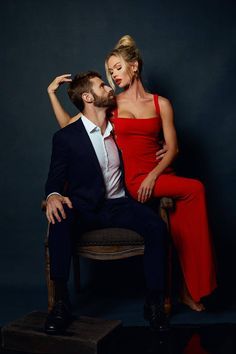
[135, 91]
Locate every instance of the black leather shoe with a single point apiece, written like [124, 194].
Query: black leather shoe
[158, 320]
[58, 319]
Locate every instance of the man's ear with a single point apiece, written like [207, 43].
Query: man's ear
[87, 97]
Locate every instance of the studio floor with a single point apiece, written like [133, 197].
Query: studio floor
[212, 332]
[209, 339]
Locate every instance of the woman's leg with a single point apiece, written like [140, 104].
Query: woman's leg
[190, 232]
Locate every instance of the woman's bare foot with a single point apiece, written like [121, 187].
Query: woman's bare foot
[187, 299]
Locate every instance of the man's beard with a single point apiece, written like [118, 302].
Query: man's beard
[106, 102]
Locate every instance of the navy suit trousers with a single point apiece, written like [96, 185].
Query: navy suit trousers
[119, 213]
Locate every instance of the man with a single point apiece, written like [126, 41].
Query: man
[85, 158]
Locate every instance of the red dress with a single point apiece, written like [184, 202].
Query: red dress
[138, 140]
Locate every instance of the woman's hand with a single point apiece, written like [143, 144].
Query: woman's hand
[146, 188]
[57, 82]
[161, 153]
[62, 116]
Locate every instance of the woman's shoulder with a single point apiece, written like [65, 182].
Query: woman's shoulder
[166, 109]
[164, 102]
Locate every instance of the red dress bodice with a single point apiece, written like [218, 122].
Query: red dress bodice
[138, 139]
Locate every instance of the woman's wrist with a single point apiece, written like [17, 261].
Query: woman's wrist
[51, 92]
[153, 174]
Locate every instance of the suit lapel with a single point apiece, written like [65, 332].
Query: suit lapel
[88, 146]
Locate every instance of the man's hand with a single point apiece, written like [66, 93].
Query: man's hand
[161, 153]
[54, 208]
[57, 82]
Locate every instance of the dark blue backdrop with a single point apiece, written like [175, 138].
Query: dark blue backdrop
[189, 53]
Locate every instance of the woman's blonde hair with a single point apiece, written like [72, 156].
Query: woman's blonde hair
[127, 50]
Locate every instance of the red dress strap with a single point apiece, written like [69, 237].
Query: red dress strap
[156, 104]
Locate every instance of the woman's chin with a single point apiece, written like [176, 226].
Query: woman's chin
[123, 86]
[120, 85]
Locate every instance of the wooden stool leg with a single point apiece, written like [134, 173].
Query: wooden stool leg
[50, 283]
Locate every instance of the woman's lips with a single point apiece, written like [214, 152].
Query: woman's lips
[118, 81]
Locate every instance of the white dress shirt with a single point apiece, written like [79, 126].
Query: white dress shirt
[108, 157]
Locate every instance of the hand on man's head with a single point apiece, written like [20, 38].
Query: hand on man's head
[58, 81]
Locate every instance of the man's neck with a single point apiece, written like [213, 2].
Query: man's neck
[97, 116]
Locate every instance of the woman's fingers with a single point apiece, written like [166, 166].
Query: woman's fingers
[64, 75]
[58, 81]
[61, 78]
[65, 80]
[144, 194]
[161, 153]
[140, 194]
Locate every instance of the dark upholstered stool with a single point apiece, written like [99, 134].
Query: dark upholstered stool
[109, 244]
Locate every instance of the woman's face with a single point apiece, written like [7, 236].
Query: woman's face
[121, 73]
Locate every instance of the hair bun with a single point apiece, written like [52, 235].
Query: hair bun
[125, 41]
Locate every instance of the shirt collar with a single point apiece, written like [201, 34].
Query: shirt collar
[91, 127]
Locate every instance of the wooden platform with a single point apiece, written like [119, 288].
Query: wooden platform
[84, 336]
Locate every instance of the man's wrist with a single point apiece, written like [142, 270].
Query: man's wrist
[53, 193]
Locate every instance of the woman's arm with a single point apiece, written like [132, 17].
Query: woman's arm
[62, 117]
[170, 137]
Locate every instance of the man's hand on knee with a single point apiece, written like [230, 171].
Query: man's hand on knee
[54, 209]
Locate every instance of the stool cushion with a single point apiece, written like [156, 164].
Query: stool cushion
[109, 237]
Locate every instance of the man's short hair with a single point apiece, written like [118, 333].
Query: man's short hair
[81, 83]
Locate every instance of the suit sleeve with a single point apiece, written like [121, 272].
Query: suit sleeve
[58, 166]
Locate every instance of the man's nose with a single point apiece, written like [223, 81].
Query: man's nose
[108, 88]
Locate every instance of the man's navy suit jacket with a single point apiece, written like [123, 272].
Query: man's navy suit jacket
[74, 164]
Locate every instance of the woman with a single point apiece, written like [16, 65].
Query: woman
[140, 121]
